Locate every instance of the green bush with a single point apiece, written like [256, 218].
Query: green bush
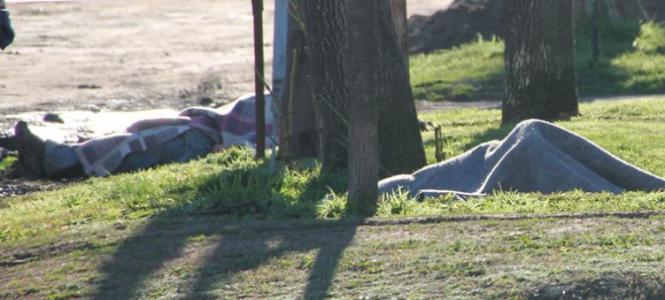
[651, 39]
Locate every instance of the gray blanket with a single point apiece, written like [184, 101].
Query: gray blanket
[535, 157]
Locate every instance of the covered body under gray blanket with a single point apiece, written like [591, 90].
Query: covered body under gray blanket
[536, 156]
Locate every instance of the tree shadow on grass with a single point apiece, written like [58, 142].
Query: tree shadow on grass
[239, 245]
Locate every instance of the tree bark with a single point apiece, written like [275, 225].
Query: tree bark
[540, 61]
[362, 64]
[326, 31]
[401, 145]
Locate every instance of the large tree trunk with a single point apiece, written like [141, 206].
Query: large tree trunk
[327, 30]
[401, 149]
[363, 65]
[540, 61]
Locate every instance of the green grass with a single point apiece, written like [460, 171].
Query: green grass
[632, 61]
[233, 185]
[228, 226]
[472, 71]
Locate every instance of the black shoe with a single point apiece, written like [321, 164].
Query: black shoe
[30, 151]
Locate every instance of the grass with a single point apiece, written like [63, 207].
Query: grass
[632, 62]
[228, 226]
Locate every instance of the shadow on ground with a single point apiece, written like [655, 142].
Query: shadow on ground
[234, 246]
[607, 286]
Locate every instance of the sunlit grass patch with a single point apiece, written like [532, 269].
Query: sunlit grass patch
[632, 61]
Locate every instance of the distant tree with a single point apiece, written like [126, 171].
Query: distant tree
[540, 61]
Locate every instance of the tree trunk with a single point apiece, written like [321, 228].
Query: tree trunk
[540, 61]
[363, 65]
[326, 29]
[327, 32]
[401, 145]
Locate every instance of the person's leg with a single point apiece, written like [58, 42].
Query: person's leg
[30, 149]
[190, 145]
[42, 159]
[61, 161]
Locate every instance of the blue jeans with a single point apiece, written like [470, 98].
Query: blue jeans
[60, 160]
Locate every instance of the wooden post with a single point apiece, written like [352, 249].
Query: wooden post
[257, 9]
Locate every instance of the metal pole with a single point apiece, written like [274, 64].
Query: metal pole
[257, 9]
[279, 57]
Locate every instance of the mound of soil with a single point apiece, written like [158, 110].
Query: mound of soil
[461, 23]
[464, 20]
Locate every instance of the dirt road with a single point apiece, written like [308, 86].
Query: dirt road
[119, 55]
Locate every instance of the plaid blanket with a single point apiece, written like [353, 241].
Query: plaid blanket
[231, 124]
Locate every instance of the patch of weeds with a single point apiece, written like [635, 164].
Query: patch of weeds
[69, 291]
[7, 162]
[622, 241]
[333, 206]
[364, 265]
[465, 269]
[461, 246]
[403, 245]
[648, 257]
[399, 203]
[306, 262]
[651, 39]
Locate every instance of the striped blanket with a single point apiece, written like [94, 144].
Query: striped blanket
[231, 124]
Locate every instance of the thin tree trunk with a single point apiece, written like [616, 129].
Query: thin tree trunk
[540, 61]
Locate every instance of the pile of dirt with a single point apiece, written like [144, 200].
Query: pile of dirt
[464, 20]
[461, 23]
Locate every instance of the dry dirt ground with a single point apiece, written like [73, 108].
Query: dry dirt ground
[84, 59]
[129, 55]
